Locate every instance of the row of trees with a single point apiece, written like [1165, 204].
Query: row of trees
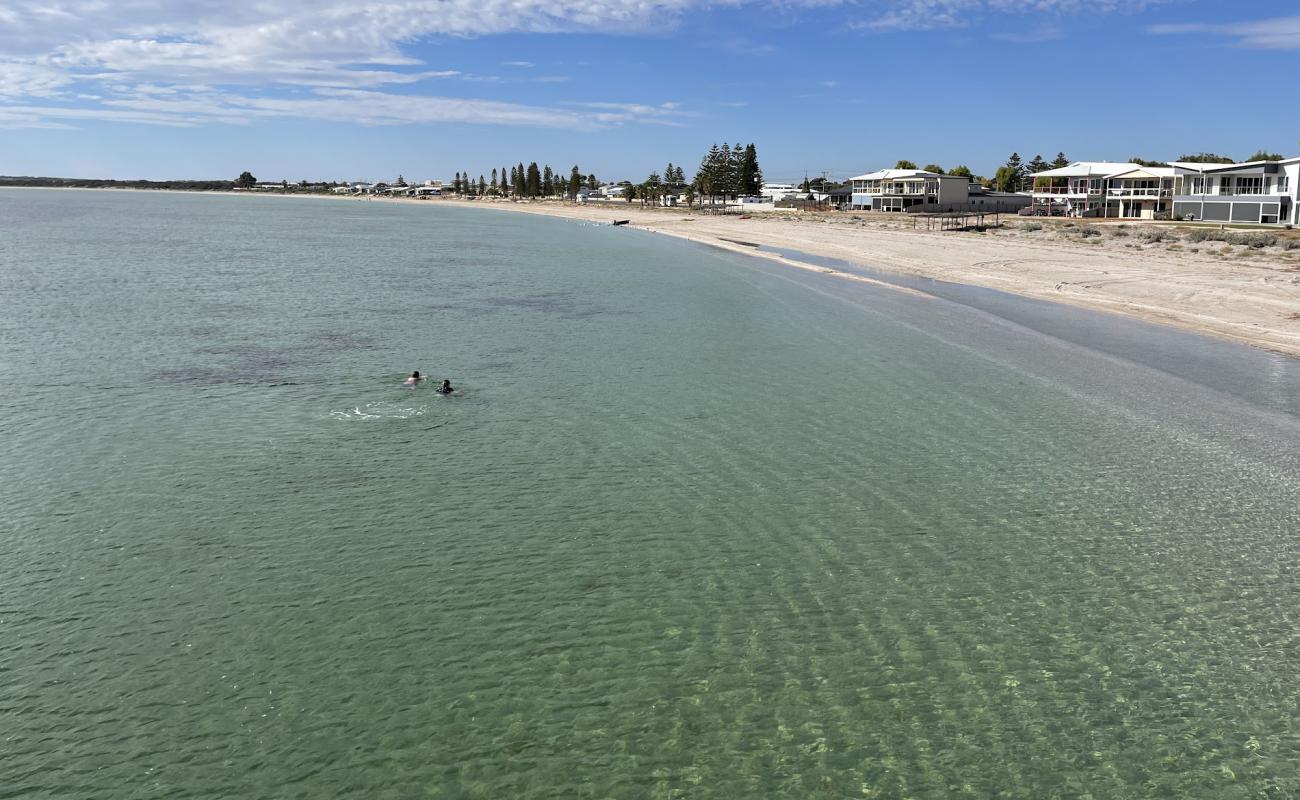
[521, 181]
[728, 171]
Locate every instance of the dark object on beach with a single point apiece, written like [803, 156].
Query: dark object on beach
[622, 221]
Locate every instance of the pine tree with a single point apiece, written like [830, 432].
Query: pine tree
[493, 184]
[482, 187]
[548, 181]
[533, 183]
[707, 176]
[1037, 164]
[575, 182]
[1060, 161]
[1014, 175]
[521, 180]
[592, 183]
[455, 184]
[505, 187]
[751, 177]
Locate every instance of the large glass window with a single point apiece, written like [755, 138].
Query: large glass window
[1249, 185]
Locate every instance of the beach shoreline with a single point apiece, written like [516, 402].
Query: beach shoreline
[1232, 293]
[1255, 301]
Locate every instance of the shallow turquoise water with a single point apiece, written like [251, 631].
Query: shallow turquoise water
[697, 526]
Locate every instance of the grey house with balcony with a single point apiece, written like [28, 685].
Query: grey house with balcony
[1259, 192]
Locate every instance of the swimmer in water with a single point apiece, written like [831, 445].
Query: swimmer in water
[413, 380]
[445, 388]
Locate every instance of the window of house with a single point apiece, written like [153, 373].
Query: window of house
[1284, 184]
[1250, 185]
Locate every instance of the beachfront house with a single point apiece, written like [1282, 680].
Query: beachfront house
[1140, 193]
[1261, 192]
[778, 191]
[901, 189]
[1075, 190]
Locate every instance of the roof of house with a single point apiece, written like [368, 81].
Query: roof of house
[1145, 172]
[1198, 166]
[889, 174]
[1086, 169]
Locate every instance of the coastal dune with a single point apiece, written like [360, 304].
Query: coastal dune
[1250, 299]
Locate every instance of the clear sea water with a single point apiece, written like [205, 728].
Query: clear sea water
[697, 525]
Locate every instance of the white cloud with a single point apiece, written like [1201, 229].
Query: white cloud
[153, 59]
[1281, 33]
[916, 15]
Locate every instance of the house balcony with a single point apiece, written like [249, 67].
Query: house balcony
[1071, 191]
[1140, 193]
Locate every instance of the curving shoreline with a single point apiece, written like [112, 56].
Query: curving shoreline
[1254, 301]
[1237, 294]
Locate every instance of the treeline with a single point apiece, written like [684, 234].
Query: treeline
[104, 183]
[521, 181]
[725, 170]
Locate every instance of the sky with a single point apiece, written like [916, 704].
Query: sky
[373, 89]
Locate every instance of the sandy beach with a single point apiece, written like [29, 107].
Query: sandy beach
[1247, 294]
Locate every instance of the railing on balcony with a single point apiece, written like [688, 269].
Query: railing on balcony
[1125, 192]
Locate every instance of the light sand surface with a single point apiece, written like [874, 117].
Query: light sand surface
[1247, 296]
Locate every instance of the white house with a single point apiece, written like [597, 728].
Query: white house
[900, 189]
[778, 191]
[1139, 193]
[1076, 189]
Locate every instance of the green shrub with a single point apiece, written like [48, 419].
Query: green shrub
[1119, 232]
[1032, 226]
[1256, 240]
[1209, 235]
[1086, 232]
[1292, 244]
[1154, 235]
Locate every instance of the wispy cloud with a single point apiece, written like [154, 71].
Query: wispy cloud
[1042, 33]
[190, 109]
[1279, 33]
[302, 57]
[661, 114]
[920, 15]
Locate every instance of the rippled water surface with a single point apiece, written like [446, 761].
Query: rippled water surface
[696, 525]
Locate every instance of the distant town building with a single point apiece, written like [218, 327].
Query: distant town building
[778, 191]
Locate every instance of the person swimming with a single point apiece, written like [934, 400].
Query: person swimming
[413, 380]
[445, 388]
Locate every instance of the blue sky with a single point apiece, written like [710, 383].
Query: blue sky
[356, 89]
